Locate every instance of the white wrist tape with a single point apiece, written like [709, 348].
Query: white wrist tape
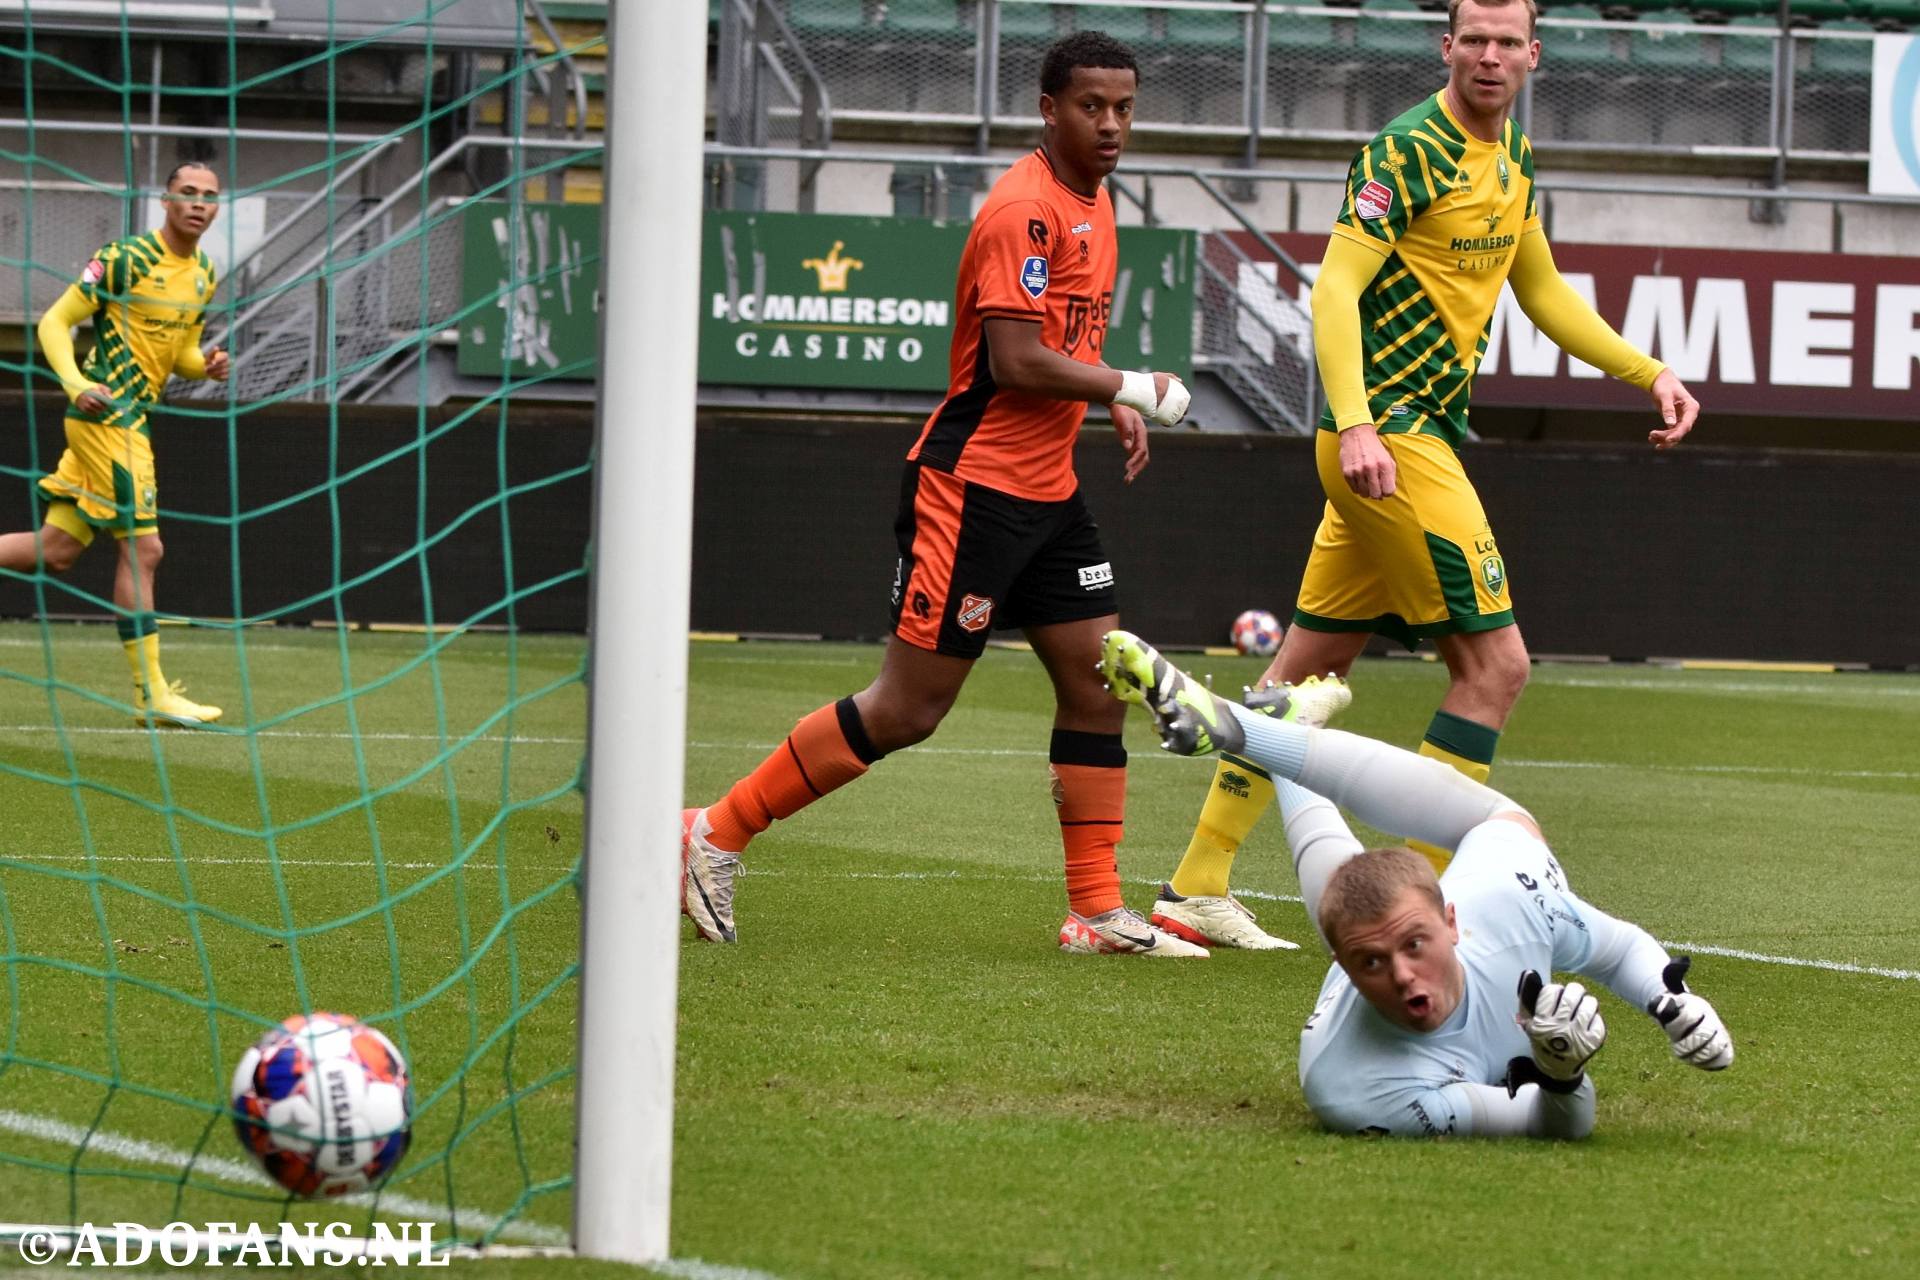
[1136, 392]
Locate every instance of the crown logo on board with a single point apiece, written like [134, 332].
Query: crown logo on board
[833, 268]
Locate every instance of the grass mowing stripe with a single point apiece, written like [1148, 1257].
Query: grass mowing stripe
[139, 1151]
[25, 863]
[1833, 966]
[1892, 687]
[117, 731]
[1702, 948]
[1766, 770]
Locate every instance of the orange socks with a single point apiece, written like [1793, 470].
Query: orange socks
[1090, 791]
[825, 751]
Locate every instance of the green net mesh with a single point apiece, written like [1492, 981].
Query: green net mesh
[374, 561]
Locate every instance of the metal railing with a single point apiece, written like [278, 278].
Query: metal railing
[768, 93]
[333, 321]
[1259, 73]
[1251, 328]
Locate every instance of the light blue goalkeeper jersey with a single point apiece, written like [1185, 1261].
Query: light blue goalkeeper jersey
[1516, 912]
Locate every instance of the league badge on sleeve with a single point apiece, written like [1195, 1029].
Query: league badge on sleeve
[1373, 201]
[1033, 276]
[94, 272]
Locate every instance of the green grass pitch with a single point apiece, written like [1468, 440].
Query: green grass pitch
[895, 1073]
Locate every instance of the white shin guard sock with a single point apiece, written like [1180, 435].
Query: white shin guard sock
[1397, 790]
[1389, 788]
[1320, 840]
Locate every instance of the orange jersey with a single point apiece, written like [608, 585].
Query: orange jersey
[1038, 251]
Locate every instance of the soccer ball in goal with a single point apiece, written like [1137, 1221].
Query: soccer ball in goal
[1256, 633]
[322, 1102]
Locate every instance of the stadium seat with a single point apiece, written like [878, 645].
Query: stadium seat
[924, 17]
[1890, 13]
[1208, 30]
[1823, 11]
[1028, 23]
[1129, 26]
[1667, 50]
[1750, 54]
[1394, 38]
[1575, 48]
[830, 18]
[1735, 8]
[1843, 59]
[1296, 33]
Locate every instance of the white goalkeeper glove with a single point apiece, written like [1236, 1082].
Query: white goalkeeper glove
[1699, 1038]
[1564, 1026]
[1137, 392]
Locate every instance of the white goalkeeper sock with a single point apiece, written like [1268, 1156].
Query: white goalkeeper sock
[1384, 786]
[1319, 838]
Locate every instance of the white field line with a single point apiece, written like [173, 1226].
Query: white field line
[140, 1151]
[1840, 684]
[695, 1269]
[1702, 948]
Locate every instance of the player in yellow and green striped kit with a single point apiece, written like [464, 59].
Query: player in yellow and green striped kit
[1439, 214]
[148, 296]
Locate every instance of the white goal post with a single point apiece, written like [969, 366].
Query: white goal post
[642, 538]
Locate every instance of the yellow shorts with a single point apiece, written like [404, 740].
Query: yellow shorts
[1420, 563]
[105, 478]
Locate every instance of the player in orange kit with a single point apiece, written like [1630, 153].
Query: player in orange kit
[992, 530]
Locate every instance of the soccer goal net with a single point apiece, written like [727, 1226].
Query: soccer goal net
[375, 534]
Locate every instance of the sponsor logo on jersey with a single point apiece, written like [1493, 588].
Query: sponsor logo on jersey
[1394, 161]
[94, 272]
[975, 613]
[1095, 576]
[1373, 201]
[1480, 244]
[1082, 228]
[1033, 276]
[1493, 571]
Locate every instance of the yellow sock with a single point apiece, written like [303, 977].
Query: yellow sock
[143, 659]
[1460, 744]
[1240, 793]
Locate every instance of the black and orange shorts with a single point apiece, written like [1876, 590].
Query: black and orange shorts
[974, 559]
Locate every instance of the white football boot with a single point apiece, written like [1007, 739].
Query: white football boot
[706, 879]
[1312, 702]
[1121, 932]
[1213, 922]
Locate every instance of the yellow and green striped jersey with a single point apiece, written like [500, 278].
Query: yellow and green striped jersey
[149, 304]
[1447, 211]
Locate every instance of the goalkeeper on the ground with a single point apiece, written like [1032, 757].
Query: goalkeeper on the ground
[1441, 1014]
